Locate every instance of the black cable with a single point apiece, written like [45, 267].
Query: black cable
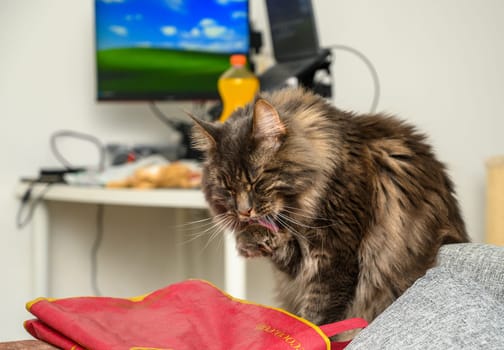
[95, 248]
[26, 199]
[372, 70]
[78, 135]
[176, 124]
[161, 116]
[99, 215]
[183, 128]
[32, 204]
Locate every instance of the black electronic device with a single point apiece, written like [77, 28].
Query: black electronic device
[56, 175]
[295, 43]
[166, 50]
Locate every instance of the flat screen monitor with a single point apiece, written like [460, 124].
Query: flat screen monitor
[166, 49]
[293, 29]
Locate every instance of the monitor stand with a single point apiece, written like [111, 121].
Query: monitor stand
[315, 76]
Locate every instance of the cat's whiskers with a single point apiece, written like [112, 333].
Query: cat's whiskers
[219, 230]
[197, 228]
[213, 226]
[197, 235]
[225, 225]
[298, 223]
[292, 230]
[190, 223]
[271, 221]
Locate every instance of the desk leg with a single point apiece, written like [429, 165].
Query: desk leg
[235, 269]
[40, 250]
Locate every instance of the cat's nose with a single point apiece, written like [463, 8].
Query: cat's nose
[246, 212]
[244, 205]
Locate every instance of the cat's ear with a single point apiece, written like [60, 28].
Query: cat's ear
[204, 134]
[266, 122]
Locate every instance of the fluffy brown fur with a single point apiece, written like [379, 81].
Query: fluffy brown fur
[351, 209]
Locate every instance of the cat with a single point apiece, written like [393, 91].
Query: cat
[350, 209]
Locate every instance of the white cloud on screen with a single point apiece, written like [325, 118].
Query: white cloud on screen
[169, 30]
[176, 5]
[119, 30]
[239, 14]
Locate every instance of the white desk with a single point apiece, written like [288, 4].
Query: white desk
[234, 266]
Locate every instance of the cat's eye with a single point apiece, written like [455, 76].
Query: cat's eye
[252, 173]
[258, 185]
[251, 176]
[225, 180]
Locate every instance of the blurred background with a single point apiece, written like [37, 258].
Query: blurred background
[439, 65]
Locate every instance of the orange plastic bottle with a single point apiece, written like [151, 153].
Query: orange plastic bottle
[237, 86]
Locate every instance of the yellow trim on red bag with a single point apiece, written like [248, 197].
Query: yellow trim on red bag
[306, 322]
[34, 301]
[242, 301]
[135, 299]
[139, 298]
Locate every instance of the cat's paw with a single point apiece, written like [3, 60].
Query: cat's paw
[255, 241]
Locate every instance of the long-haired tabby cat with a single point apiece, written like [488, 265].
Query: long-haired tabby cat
[351, 209]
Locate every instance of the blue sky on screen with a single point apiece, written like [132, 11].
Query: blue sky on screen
[201, 25]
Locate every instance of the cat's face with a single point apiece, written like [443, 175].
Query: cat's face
[247, 180]
[242, 193]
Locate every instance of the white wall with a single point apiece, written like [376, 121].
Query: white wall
[439, 64]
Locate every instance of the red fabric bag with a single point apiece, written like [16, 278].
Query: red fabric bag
[192, 314]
